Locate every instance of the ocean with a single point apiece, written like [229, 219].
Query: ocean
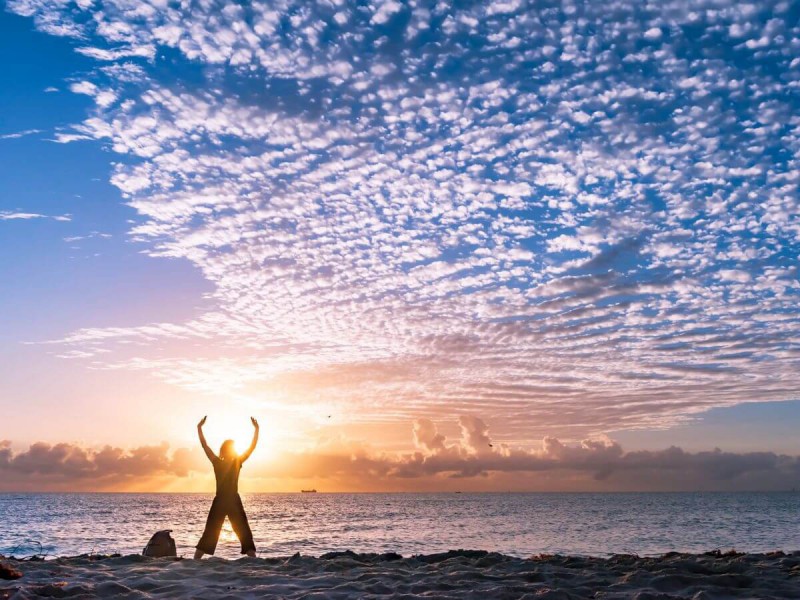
[518, 524]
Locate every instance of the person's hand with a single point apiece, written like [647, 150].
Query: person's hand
[202, 422]
[254, 422]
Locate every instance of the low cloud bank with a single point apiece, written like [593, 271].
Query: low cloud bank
[594, 464]
[599, 463]
[65, 462]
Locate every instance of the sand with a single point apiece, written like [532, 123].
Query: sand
[456, 574]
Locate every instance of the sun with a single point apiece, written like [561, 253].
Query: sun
[225, 426]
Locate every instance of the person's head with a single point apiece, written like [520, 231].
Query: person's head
[227, 451]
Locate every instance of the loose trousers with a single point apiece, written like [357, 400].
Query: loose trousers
[231, 507]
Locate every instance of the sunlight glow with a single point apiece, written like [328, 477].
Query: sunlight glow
[230, 426]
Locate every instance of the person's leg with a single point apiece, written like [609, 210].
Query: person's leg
[240, 525]
[216, 517]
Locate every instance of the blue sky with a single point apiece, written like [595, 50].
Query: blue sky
[69, 261]
[566, 220]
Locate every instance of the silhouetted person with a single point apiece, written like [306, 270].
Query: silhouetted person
[227, 502]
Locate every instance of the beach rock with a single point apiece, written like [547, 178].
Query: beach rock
[293, 559]
[343, 554]
[8, 572]
[388, 556]
[719, 553]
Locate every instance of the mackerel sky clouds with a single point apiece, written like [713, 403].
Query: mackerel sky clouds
[567, 218]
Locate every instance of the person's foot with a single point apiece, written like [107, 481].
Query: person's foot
[251, 553]
[198, 554]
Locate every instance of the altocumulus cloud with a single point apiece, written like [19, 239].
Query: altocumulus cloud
[583, 215]
[593, 464]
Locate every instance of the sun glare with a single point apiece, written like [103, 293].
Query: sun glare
[221, 427]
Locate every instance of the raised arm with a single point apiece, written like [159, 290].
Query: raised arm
[209, 453]
[252, 447]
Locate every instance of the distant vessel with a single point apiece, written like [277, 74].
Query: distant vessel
[308, 491]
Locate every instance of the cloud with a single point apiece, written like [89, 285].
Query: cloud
[88, 236]
[654, 33]
[598, 463]
[25, 216]
[592, 464]
[583, 216]
[20, 134]
[426, 437]
[64, 464]
[385, 11]
[475, 434]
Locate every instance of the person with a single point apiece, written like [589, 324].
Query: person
[227, 502]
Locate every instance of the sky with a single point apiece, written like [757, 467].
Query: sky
[430, 245]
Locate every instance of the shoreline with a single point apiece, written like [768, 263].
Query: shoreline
[103, 556]
[454, 574]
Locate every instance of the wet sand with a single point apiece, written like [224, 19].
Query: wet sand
[456, 574]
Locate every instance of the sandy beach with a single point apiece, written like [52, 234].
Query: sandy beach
[455, 574]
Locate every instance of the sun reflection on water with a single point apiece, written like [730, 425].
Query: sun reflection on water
[228, 534]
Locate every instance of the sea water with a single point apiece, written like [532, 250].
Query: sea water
[518, 524]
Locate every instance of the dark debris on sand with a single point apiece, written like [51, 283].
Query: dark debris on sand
[457, 574]
[8, 572]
